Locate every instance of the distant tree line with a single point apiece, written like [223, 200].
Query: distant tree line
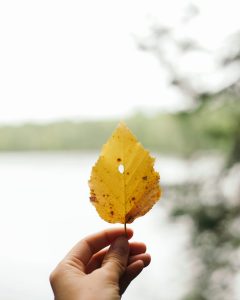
[207, 128]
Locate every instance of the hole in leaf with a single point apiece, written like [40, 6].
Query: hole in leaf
[121, 168]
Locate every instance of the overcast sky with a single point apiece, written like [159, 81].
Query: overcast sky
[79, 59]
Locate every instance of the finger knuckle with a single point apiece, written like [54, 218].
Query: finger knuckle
[55, 275]
[118, 264]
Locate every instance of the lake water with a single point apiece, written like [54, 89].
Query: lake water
[45, 210]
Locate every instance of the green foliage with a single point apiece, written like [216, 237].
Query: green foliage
[215, 237]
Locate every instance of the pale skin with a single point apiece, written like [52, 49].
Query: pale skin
[91, 271]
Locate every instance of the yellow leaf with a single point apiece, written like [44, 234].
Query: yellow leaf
[123, 183]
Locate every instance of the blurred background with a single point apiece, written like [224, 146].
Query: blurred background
[69, 72]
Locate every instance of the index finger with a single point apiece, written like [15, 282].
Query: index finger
[87, 247]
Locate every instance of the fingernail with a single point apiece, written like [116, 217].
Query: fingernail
[120, 245]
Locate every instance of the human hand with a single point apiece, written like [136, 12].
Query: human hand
[90, 272]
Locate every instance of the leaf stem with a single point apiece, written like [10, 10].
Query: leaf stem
[125, 229]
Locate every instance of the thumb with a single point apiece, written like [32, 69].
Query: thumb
[117, 258]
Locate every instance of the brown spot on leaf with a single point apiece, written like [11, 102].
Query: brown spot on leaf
[133, 198]
[127, 173]
[112, 212]
[129, 219]
[144, 177]
[119, 159]
[93, 199]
